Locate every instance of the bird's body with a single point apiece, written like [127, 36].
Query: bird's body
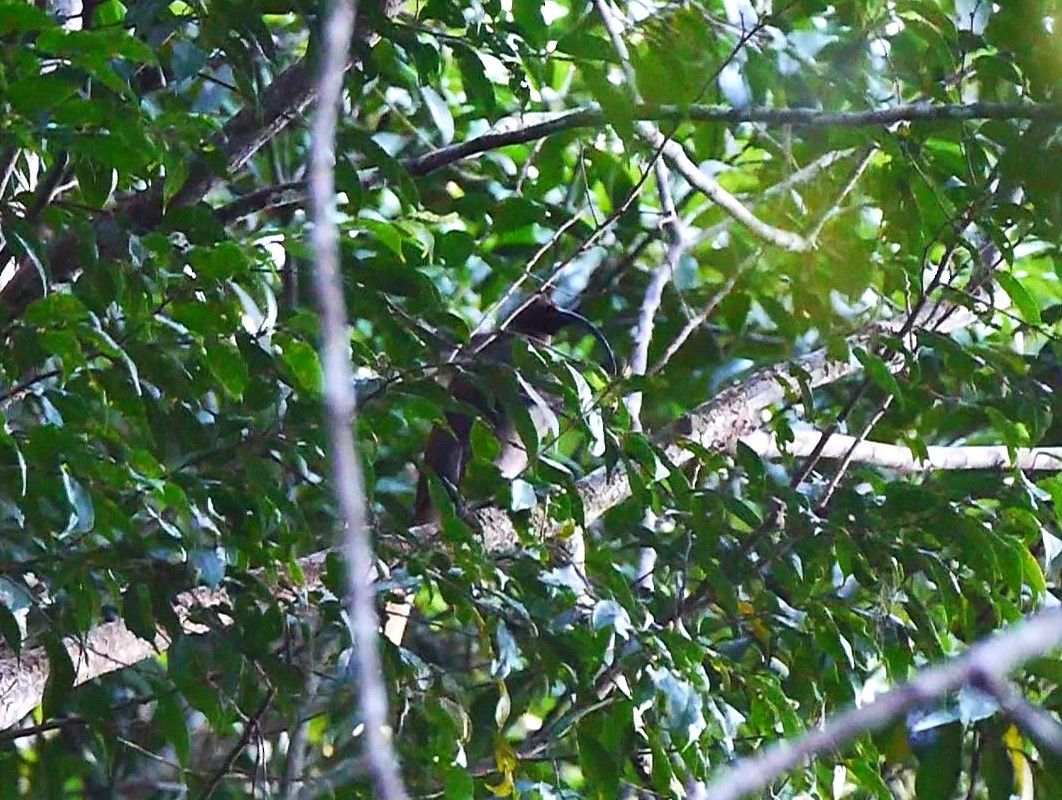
[479, 393]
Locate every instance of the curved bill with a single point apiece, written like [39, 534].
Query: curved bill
[573, 318]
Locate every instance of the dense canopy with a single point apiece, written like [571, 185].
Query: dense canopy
[822, 241]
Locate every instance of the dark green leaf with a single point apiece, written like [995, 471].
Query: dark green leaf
[939, 763]
[60, 676]
[137, 613]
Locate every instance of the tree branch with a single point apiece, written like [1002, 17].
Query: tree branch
[1037, 723]
[112, 646]
[675, 153]
[510, 131]
[717, 424]
[340, 409]
[902, 459]
[996, 658]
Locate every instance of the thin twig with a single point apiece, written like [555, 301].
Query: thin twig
[592, 117]
[842, 468]
[801, 176]
[853, 179]
[7, 167]
[250, 726]
[713, 303]
[676, 154]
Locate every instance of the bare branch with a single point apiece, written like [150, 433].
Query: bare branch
[512, 131]
[902, 458]
[675, 153]
[996, 658]
[250, 727]
[340, 411]
[654, 293]
[1038, 723]
[294, 192]
[106, 648]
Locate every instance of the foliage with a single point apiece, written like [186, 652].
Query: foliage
[161, 403]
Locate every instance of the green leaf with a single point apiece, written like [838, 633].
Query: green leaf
[1027, 305]
[10, 629]
[683, 708]
[477, 85]
[223, 261]
[939, 763]
[56, 309]
[610, 615]
[187, 667]
[82, 516]
[459, 785]
[137, 612]
[66, 346]
[96, 182]
[869, 779]
[528, 15]
[32, 250]
[1032, 572]
[388, 233]
[394, 173]
[997, 764]
[60, 676]
[176, 163]
[440, 113]
[586, 46]
[302, 362]
[209, 566]
[170, 719]
[600, 767]
[187, 60]
[616, 102]
[34, 94]
[879, 373]
[109, 13]
[227, 365]
[23, 17]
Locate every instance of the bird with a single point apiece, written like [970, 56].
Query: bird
[448, 448]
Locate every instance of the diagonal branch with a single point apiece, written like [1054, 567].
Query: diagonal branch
[1037, 723]
[721, 422]
[512, 132]
[994, 658]
[676, 154]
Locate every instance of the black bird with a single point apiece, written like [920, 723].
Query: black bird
[448, 449]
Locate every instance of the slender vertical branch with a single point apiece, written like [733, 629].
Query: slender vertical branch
[340, 406]
[670, 221]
